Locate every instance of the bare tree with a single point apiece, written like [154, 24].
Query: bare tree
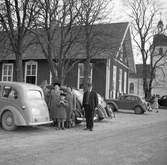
[92, 12]
[57, 35]
[143, 14]
[16, 19]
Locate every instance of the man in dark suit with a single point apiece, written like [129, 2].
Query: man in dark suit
[90, 103]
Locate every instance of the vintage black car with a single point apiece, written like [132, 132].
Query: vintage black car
[163, 101]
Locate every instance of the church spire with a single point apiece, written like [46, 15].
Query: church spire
[160, 25]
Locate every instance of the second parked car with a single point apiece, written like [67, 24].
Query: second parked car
[129, 102]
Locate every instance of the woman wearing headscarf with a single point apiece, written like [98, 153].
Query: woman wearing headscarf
[54, 101]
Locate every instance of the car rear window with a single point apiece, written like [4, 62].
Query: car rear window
[34, 94]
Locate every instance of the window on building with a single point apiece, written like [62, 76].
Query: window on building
[160, 51]
[114, 81]
[121, 53]
[7, 72]
[125, 80]
[81, 74]
[31, 72]
[131, 88]
[120, 80]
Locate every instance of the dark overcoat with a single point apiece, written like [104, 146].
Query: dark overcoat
[93, 100]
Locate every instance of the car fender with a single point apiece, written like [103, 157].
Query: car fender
[78, 113]
[18, 117]
[100, 112]
[114, 104]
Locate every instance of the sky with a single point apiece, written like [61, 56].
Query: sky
[121, 16]
[118, 7]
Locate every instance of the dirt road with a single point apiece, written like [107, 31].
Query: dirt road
[128, 139]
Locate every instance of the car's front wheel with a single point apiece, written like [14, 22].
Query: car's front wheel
[8, 121]
[96, 116]
[138, 110]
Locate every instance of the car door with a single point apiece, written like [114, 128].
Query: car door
[134, 101]
[10, 96]
[1, 100]
[124, 102]
[163, 101]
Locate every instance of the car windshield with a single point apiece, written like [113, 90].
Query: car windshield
[34, 94]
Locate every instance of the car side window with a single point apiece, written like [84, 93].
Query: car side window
[13, 94]
[164, 97]
[122, 98]
[6, 91]
[134, 98]
[9, 92]
[127, 98]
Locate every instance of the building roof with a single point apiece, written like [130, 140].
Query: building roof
[160, 40]
[139, 71]
[109, 41]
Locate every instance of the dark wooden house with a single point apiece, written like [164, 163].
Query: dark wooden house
[110, 71]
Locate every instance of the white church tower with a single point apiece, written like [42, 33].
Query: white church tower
[160, 55]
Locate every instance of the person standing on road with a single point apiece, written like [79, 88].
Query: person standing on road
[90, 104]
[155, 104]
[53, 102]
[62, 111]
[45, 91]
[71, 98]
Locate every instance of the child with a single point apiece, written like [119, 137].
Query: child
[62, 110]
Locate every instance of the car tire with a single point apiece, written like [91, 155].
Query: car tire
[96, 116]
[8, 121]
[112, 107]
[138, 110]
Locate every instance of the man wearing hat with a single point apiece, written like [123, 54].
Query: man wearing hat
[90, 103]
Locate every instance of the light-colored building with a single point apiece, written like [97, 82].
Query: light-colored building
[160, 56]
[136, 80]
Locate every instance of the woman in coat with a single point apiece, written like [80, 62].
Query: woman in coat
[155, 104]
[71, 98]
[45, 90]
[54, 101]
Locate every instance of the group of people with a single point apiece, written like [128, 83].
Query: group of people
[62, 105]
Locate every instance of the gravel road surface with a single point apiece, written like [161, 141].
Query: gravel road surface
[128, 139]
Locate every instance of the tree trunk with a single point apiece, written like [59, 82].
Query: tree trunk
[61, 75]
[53, 69]
[86, 73]
[18, 69]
